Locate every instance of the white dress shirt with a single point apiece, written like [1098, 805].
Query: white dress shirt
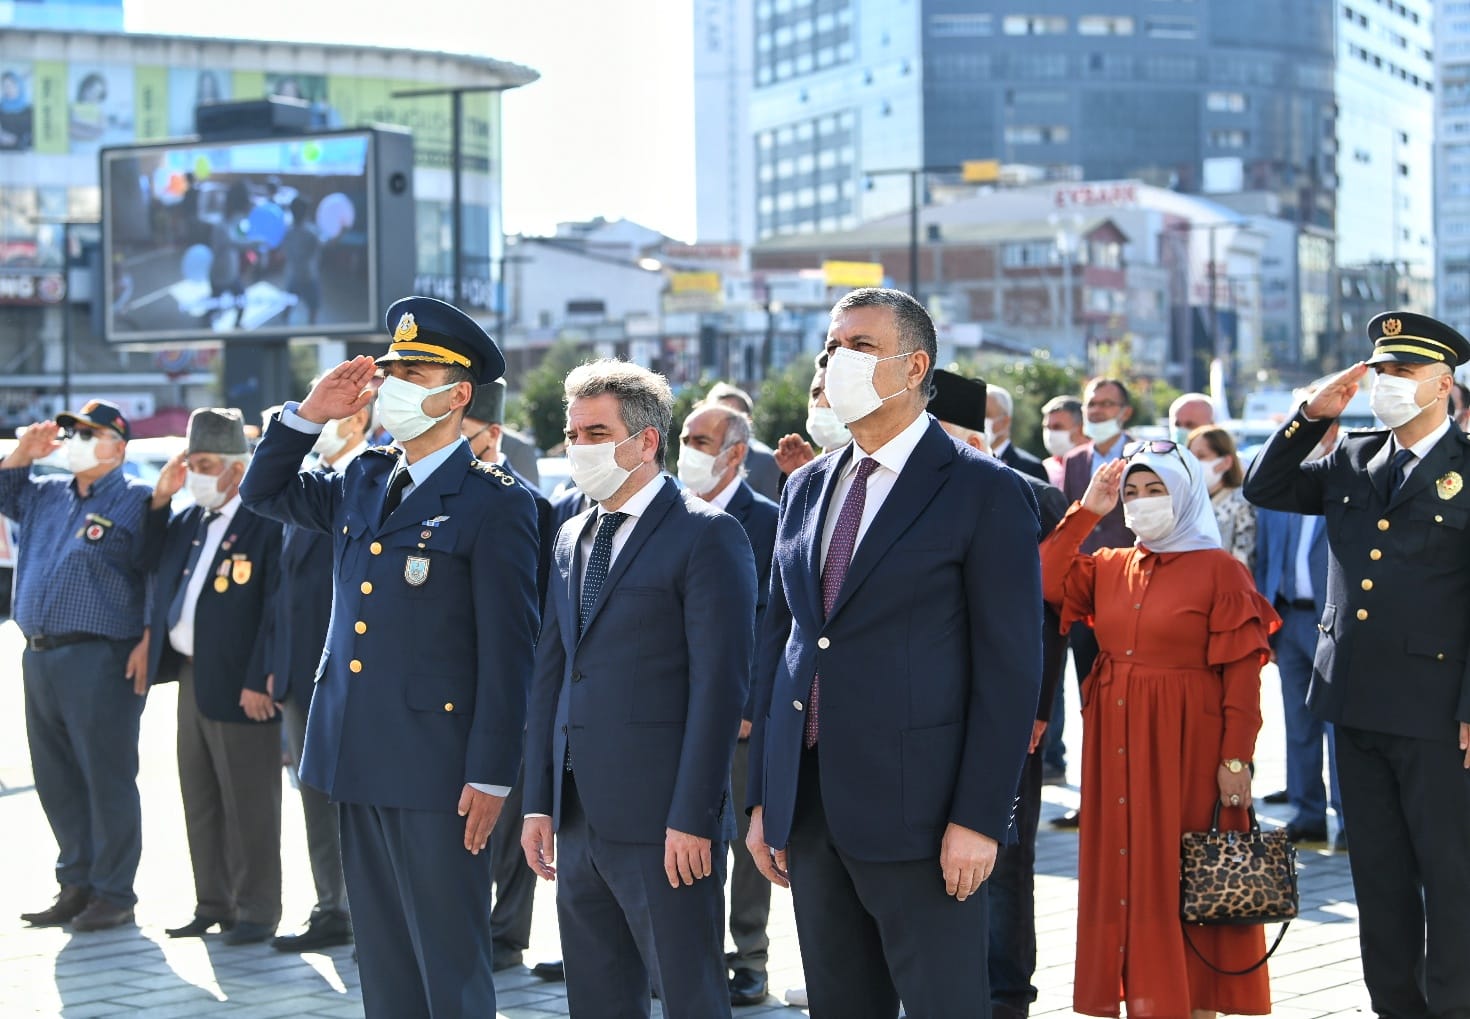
[635, 507]
[721, 499]
[181, 637]
[891, 457]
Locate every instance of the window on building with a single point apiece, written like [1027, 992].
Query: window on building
[1037, 134]
[1226, 102]
[1170, 28]
[960, 26]
[1104, 24]
[1229, 139]
[1034, 24]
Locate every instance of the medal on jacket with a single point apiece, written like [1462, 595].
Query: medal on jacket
[222, 577]
[416, 570]
[240, 568]
[1449, 486]
[94, 528]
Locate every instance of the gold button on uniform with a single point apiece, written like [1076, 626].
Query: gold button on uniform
[1376, 554]
[1367, 584]
[344, 528]
[376, 547]
[1362, 613]
[360, 626]
[355, 665]
[1383, 525]
[1438, 519]
[1439, 657]
[448, 705]
[367, 587]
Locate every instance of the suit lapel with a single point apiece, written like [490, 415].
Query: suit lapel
[1428, 470]
[1379, 468]
[923, 476]
[645, 526]
[569, 558]
[740, 503]
[823, 488]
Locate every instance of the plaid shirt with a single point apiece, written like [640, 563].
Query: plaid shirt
[81, 561]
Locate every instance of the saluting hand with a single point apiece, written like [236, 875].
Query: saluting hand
[966, 857]
[480, 811]
[792, 452]
[341, 392]
[1102, 491]
[36, 442]
[170, 479]
[1332, 399]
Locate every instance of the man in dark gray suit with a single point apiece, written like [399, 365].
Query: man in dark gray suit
[762, 473]
[641, 676]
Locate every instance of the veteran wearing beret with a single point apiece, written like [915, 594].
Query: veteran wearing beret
[1392, 669]
[210, 609]
[415, 727]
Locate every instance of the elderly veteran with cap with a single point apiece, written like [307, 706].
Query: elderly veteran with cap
[84, 549]
[416, 723]
[210, 612]
[1392, 671]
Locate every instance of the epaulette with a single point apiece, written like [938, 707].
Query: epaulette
[491, 470]
[389, 451]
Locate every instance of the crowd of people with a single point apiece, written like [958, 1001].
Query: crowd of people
[839, 658]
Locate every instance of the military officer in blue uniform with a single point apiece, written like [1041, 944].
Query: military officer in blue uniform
[416, 723]
[1392, 667]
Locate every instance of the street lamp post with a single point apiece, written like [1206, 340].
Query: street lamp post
[1212, 272]
[914, 174]
[66, 224]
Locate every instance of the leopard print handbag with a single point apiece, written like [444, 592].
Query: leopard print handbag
[1237, 877]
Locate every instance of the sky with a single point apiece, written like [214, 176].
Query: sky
[608, 130]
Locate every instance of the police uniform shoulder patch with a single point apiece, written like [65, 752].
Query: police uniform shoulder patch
[388, 451]
[494, 472]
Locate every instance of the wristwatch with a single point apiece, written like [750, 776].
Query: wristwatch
[1234, 765]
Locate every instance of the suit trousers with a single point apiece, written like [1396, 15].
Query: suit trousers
[82, 727]
[420, 913]
[1013, 901]
[872, 933]
[230, 777]
[515, 881]
[750, 892]
[1409, 800]
[323, 837]
[624, 929]
[1296, 646]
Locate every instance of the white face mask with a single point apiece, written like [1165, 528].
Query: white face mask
[205, 490]
[1150, 517]
[850, 388]
[1058, 441]
[990, 435]
[1102, 431]
[330, 443]
[1181, 435]
[595, 468]
[401, 407]
[81, 454]
[826, 428]
[698, 471]
[1395, 400]
[1215, 471]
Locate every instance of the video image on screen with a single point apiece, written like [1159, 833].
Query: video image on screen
[212, 239]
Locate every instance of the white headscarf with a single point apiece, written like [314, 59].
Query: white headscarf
[1194, 516]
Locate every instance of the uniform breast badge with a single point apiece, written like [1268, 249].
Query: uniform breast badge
[240, 568]
[416, 570]
[1449, 486]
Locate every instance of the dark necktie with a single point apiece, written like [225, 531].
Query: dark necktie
[834, 570]
[176, 607]
[598, 564]
[1396, 473]
[400, 480]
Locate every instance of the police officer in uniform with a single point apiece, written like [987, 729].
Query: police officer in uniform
[416, 723]
[1391, 663]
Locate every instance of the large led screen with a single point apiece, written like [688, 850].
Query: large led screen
[263, 238]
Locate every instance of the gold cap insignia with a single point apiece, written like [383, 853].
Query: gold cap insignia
[408, 329]
[1391, 326]
[1449, 486]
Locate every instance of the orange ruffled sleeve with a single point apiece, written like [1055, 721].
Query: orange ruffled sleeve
[1067, 576]
[1240, 623]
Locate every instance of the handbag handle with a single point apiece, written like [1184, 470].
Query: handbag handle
[1237, 972]
[1255, 827]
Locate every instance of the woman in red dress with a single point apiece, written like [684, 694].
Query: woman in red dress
[1172, 703]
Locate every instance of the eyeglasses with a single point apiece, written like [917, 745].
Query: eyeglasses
[86, 434]
[1161, 446]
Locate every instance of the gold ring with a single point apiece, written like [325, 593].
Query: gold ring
[1234, 799]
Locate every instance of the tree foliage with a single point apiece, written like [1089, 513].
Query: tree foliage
[541, 406]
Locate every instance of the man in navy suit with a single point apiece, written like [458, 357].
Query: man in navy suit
[210, 614]
[998, 410]
[303, 610]
[515, 886]
[1291, 571]
[713, 441]
[641, 675]
[898, 675]
[416, 723]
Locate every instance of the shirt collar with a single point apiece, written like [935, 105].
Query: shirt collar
[1000, 448]
[894, 453]
[103, 485]
[227, 511]
[420, 469]
[1421, 448]
[722, 498]
[640, 500]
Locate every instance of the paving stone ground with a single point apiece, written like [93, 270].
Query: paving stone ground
[140, 972]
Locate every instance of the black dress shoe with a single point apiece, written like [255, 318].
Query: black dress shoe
[747, 987]
[1070, 820]
[1277, 798]
[70, 901]
[247, 933]
[101, 915]
[199, 926]
[1301, 833]
[551, 972]
[323, 930]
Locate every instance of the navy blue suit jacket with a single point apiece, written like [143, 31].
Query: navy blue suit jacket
[303, 610]
[422, 686]
[930, 660]
[757, 515]
[649, 696]
[545, 532]
[233, 627]
[1276, 553]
